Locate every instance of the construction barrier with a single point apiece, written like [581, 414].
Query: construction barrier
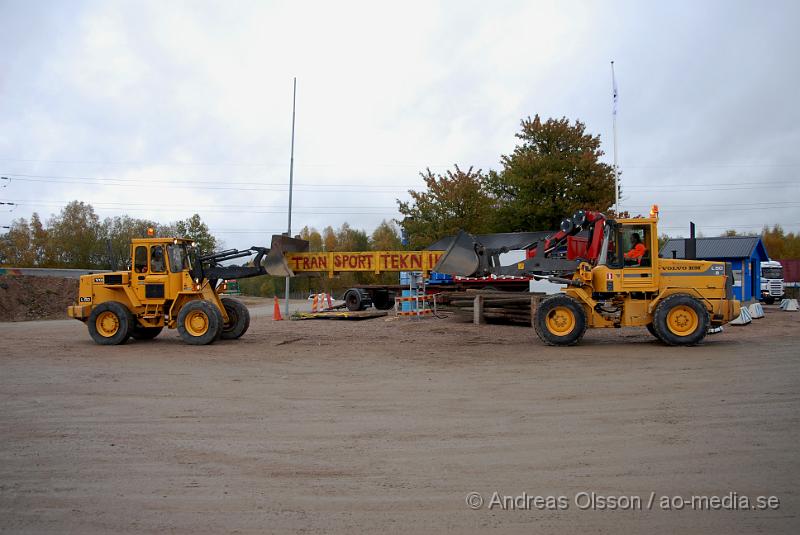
[744, 317]
[715, 330]
[789, 305]
[318, 304]
[756, 311]
[419, 304]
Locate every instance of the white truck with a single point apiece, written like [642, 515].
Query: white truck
[771, 281]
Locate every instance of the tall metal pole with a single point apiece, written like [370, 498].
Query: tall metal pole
[291, 181]
[616, 167]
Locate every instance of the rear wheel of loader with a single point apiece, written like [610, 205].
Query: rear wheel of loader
[560, 321]
[110, 323]
[238, 319]
[681, 320]
[199, 322]
[145, 333]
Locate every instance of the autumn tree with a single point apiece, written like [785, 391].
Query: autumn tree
[780, 244]
[328, 239]
[385, 237]
[553, 172]
[313, 237]
[456, 200]
[15, 245]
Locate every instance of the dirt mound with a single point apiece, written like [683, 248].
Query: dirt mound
[25, 298]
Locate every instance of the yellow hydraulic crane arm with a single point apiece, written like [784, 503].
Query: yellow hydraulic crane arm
[372, 261]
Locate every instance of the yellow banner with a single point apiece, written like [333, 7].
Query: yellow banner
[375, 261]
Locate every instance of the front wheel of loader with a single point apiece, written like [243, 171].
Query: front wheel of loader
[199, 322]
[652, 330]
[560, 321]
[110, 323]
[238, 319]
[681, 320]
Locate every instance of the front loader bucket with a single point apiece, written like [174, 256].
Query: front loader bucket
[275, 262]
[461, 258]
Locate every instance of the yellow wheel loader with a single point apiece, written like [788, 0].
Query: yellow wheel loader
[614, 277]
[169, 285]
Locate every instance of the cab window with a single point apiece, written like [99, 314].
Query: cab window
[178, 257]
[158, 263]
[635, 245]
[140, 259]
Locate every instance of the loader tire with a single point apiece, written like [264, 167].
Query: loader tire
[110, 323]
[199, 322]
[652, 330]
[145, 333]
[681, 320]
[238, 319]
[560, 321]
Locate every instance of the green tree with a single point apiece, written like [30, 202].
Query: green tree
[350, 239]
[121, 230]
[456, 200]
[76, 238]
[552, 173]
[39, 240]
[197, 231]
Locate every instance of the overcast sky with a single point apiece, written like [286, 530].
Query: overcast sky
[163, 109]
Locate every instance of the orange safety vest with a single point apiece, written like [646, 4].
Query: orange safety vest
[637, 252]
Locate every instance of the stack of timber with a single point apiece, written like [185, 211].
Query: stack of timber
[493, 305]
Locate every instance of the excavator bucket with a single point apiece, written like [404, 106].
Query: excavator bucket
[461, 258]
[275, 262]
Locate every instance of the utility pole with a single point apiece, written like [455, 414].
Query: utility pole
[614, 116]
[291, 181]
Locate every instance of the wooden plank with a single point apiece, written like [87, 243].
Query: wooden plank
[340, 315]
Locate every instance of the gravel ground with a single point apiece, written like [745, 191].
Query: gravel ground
[386, 425]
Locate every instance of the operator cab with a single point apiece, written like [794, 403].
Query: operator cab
[158, 267]
[627, 252]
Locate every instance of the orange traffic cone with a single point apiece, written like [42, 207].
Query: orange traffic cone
[276, 311]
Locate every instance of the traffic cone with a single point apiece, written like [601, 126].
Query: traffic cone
[276, 311]
[314, 303]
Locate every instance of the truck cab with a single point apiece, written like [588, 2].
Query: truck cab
[772, 287]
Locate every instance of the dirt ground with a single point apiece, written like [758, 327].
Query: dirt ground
[387, 425]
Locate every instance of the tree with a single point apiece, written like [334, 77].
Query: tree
[453, 201]
[15, 245]
[121, 230]
[75, 238]
[350, 239]
[40, 238]
[552, 173]
[194, 229]
[386, 237]
[328, 239]
[313, 237]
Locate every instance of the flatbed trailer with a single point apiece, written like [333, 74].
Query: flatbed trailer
[382, 296]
